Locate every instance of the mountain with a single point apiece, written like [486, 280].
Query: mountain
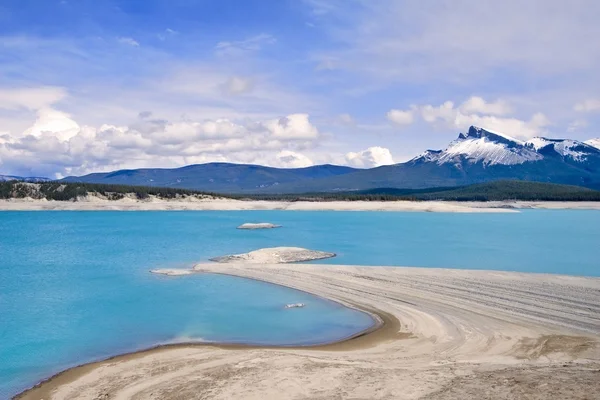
[216, 177]
[477, 156]
[474, 157]
[33, 179]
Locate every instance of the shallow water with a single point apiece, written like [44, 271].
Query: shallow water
[75, 287]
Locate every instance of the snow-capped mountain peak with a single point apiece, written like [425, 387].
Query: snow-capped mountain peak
[481, 145]
[476, 132]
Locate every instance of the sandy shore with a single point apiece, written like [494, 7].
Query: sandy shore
[448, 334]
[216, 204]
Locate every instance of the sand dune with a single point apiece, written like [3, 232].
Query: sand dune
[448, 334]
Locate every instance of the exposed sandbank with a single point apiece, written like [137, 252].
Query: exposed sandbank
[275, 255]
[259, 225]
[465, 334]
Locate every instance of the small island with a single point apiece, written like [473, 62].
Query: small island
[259, 225]
[275, 255]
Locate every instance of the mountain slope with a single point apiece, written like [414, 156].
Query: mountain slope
[215, 177]
[497, 191]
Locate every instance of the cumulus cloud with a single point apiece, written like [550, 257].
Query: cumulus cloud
[54, 123]
[292, 159]
[56, 145]
[511, 126]
[400, 117]
[476, 111]
[371, 157]
[292, 127]
[478, 105]
[31, 98]
[590, 105]
[444, 112]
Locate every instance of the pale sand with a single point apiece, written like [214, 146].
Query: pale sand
[219, 204]
[461, 335]
[259, 225]
[274, 255]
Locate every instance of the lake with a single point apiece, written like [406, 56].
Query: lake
[75, 286]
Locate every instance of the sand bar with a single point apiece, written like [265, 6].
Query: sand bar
[460, 334]
[274, 255]
[258, 225]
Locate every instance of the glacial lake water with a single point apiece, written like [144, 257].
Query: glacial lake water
[75, 286]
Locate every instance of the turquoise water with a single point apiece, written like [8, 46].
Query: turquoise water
[75, 287]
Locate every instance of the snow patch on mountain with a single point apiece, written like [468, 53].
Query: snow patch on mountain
[480, 145]
[576, 150]
[594, 143]
[7, 178]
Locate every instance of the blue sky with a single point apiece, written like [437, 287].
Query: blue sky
[100, 85]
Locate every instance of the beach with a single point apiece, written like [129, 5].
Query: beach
[446, 334]
[130, 203]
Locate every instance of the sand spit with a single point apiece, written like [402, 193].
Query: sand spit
[259, 225]
[461, 335]
[275, 255]
[172, 271]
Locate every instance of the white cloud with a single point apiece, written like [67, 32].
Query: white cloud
[291, 159]
[371, 157]
[478, 105]
[128, 41]
[236, 85]
[31, 98]
[401, 117]
[55, 123]
[511, 126]
[445, 112]
[590, 105]
[292, 127]
[56, 145]
[470, 113]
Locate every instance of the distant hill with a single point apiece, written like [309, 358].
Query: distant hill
[7, 178]
[216, 177]
[496, 191]
[474, 157]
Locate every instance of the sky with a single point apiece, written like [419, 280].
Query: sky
[89, 86]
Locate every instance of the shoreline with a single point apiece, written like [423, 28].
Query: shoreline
[263, 205]
[385, 327]
[421, 311]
